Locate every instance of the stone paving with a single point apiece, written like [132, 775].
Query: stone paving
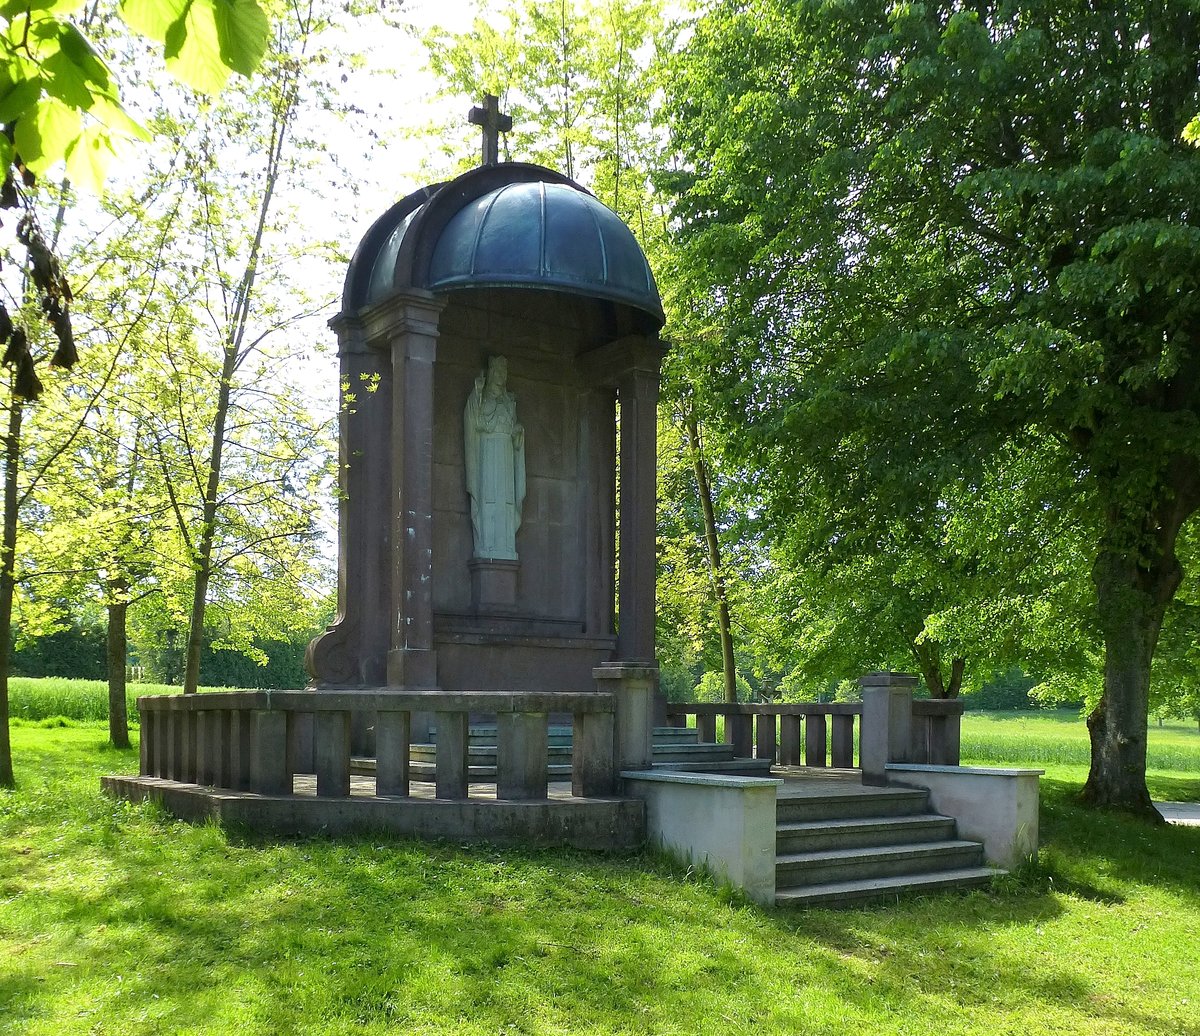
[1186, 814]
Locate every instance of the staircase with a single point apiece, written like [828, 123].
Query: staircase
[844, 844]
[675, 748]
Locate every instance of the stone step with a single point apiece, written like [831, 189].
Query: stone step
[851, 800]
[427, 771]
[690, 752]
[853, 832]
[868, 890]
[676, 736]
[728, 767]
[485, 754]
[876, 861]
[561, 736]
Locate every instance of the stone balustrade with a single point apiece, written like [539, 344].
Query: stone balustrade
[255, 740]
[823, 734]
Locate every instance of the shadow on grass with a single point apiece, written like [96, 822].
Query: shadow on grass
[158, 926]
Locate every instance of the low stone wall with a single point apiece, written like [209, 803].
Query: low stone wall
[998, 807]
[725, 824]
[603, 824]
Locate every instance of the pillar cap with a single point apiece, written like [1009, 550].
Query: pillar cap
[888, 679]
[625, 671]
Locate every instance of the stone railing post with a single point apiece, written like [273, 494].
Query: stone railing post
[521, 755]
[593, 769]
[886, 735]
[392, 731]
[632, 688]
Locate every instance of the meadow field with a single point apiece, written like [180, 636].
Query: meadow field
[41, 698]
[116, 918]
[1053, 737]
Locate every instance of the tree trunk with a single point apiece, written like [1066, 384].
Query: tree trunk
[928, 654]
[716, 572]
[8, 558]
[1132, 600]
[204, 549]
[118, 720]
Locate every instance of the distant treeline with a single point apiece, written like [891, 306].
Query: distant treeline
[78, 652]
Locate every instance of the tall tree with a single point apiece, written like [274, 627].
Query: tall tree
[226, 360]
[939, 232]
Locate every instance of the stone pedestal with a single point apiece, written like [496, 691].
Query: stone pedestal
[632, 687]
[886, 723]
[493, 583]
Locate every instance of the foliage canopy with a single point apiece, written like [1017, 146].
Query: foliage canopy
[938, 237]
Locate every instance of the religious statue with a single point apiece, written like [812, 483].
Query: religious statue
[494, 444]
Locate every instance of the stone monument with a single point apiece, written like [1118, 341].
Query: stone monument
[495, 331]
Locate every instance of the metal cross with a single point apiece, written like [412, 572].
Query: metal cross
[493, 124]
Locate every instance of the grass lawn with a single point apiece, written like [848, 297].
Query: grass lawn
[116, 919]
[38, 698]
[1055, 736]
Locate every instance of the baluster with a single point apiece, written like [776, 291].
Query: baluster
[331, 751]
[593, 762]
[269, 773]
[208, 759]
[789, 740]
[706, 724]
[521, 757]
[191, 747]
[146, 739]
[451, 774]
[224, 775]
[160, 720]
[766, 740]
[843, 742]
[175, 719]
[814, 739]
[919, 743]
[391, 753]
[241, 749]
[739, 732]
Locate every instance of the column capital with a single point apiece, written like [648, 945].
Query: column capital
[413, 311]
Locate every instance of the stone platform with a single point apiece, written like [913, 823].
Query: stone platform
[559, 819]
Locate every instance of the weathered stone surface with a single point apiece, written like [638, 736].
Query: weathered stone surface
[886, 729]
[331, 750]
[598, 823]
[521, 755]
[726, 824]
[392, 730]
[451, 779]
[995, 806]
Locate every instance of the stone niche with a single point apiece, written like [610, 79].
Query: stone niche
[518, 262]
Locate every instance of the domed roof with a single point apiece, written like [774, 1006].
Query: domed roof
[511, 225]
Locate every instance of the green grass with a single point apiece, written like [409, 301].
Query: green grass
[47, 698]
[1059, 737]
[116, 919]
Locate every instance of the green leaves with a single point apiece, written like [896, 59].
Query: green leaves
[205, 41]
[62, 100]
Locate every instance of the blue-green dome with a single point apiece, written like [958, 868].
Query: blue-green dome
[544, 235]
[535, 230]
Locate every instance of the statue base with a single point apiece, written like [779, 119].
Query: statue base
[493, 583]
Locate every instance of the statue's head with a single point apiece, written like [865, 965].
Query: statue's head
[497, 371]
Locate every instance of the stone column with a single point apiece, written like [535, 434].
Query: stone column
[886, 735]
[599, 507]
[353, 651]
[638, 394]
[411, 661]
